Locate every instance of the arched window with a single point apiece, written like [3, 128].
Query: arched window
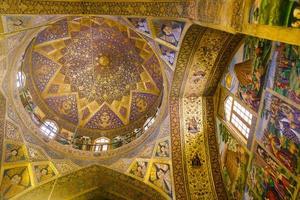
[49, 128]
[101, 144]
[21, 79]
[238, 116]
[228, 107]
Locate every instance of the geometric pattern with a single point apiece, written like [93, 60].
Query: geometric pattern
[12, 132]
[79, 73]
[36, 154]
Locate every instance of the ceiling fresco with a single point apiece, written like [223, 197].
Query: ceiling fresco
[79, 73]
[101, 76]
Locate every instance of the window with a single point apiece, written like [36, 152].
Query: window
[49, 128]
[228, 105]
[20, 80]
[241, 111]
[149, 122]
[240, 125]
[238, 116]
[101, 144]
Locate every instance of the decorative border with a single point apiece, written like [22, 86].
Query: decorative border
[185, 58]
[179, 9]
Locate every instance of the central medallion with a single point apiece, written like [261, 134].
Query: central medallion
[103, 61]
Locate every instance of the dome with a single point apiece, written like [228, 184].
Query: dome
[93, 76]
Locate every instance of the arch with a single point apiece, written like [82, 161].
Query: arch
[99, 182]
[203, 56]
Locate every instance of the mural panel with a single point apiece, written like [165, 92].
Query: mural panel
[168, 31]
[43, 172]
[246, 72]
[15, 152]
[234, 161]
[284, 73]
[139, 168]
[140, 24]
[160, 176]
[167, 54]
[14, 181]
[276, 13]
[279, 129]
[268, 180]
[162, 149]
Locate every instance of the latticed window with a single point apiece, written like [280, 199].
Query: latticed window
[49, 128]
[238, 116]
[228, 106]
[101, 144]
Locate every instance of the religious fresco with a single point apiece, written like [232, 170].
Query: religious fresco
[161, 177]
[246, 73]
[234, 162]
[14, 181]
[168, 31]
[162, 149]
[138, 168]
[153, 165]
[141, 24]
[284, 13]
[15, 152]
[268, 180]
[43, 172]
[278, 131]
[284, 72]
[167, 54]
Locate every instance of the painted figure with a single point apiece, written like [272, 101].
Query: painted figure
[193, 125]
[163, 149]
[285, 71]
[168, 54]
[161, 177]
[268, 180]
[140, 24]
[279, 131]
[139, 169]
[170, 31]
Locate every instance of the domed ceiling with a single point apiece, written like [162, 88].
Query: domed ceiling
[93, 75]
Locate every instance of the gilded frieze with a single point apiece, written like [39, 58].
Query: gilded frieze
[199, 67]
[198, 172]
[158, 9]
[183, 60]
